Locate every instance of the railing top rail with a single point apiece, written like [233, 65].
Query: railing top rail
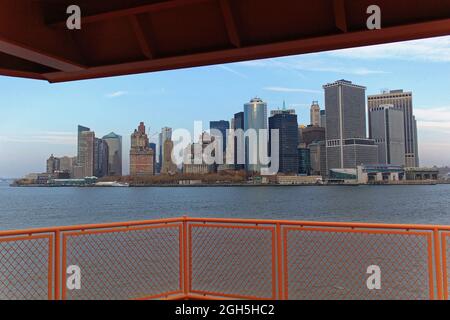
[125, 224]
[429, 227]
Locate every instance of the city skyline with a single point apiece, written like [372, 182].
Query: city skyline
[177, 98]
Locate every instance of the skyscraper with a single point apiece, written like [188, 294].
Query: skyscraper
[323, 118]
[152, 146]
[287, 126]
[53, 164]
[114, 142]
[315, 114]
[347, 145]
[101, 158]
[81, 129]
[141, 156]
[255, 118]
[168, 167]
[86, 145]
[403, 101]
[220, 126]
[239, 141]
[166, 134]
[387, 129]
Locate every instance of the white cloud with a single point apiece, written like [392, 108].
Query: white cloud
[302, 64]
[116, 94]
[231, 70]
[436, 119]
[53, 138]
[288, 90]
[433, 49]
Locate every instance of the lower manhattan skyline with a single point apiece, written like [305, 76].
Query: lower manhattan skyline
[40, 119]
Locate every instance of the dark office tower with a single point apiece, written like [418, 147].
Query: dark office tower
[101, 158]
[81, 129]
[152, 146]
[238, 124]
[221, 126]
[346, 140]
[287, 125]
[386, 128]
[402, 101]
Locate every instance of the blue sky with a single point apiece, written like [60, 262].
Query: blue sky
[38, 118]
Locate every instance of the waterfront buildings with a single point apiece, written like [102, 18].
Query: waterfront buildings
[386, 127]
[403, 101]
[315, 114]
[66, 164]
[141, 156]
[255, 119]
[347, 145]
[114, 142]
[380, 173]
[287, 126]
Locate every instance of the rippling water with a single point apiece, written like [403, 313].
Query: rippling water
[42, 207]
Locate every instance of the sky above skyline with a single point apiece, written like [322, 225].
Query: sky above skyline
[38, 119]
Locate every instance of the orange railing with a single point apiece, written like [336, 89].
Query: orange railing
[197, 258]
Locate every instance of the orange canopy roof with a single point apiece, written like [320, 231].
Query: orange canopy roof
[120, 37]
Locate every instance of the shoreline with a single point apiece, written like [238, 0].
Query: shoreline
[413, 183]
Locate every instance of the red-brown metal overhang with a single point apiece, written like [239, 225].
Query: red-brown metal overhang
[121, 37]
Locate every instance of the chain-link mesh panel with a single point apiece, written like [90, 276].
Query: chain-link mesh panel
[25, 268]
[333, 264]
[232, 261]
[132, 264]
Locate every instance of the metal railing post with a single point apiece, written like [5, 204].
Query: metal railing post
[437, 257]
[279, 250]
[57, 272]
[186, 276]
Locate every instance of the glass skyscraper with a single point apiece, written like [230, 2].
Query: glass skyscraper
[114, 142]
[255, 118]
[287, 126]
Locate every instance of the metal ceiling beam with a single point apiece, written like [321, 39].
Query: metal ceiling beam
[340, 15]
[154, 7]
[230, 23]
[141, 30]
